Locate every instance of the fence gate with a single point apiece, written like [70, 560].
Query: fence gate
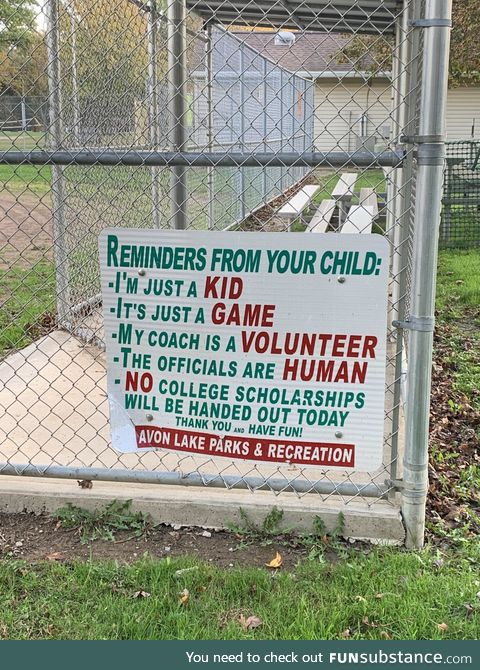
[216, 116]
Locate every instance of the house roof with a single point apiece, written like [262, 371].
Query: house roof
[360, 16]
[312, 52]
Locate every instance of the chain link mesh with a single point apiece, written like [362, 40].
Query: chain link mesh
[256, 78]
[460, 227]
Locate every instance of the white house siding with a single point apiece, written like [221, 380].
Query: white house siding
[339, 106]
[463, 107]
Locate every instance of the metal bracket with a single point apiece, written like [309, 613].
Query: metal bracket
[397, 484]
[430, 154]
[421, 139]
[430, 23]
[422, 324]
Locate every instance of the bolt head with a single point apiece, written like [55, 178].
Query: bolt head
[141, 272]
[149, 417]
[338, 433]
[341, 279]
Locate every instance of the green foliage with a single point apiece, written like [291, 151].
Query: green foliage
[374, 54]
[27, 303]
[23, 68]
[458, 305]
[271, 531]
[17, 20]
[247, 528]
[104, 523]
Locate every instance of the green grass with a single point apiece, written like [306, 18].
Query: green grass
[24, 178]
[458, 306]
[458, 283]
[19, 178]
[367, 179]
[387, 593]
[27, 296]
[21, 141]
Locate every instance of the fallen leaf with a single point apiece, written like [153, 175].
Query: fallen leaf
[442, 626]
[384, 635]
[141, 594]
[184, 596]
[85, 483]
[275, 562]
[55, 556]
[379, 596]
[345, 634]
[250, 622]
[360, 599]
[478, 594]
[469, 608]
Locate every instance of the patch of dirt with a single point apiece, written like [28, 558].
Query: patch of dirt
[454, 430]
[34, 538]
[26, 230]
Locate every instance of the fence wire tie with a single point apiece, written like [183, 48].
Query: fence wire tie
[396, 484]
[423, 324]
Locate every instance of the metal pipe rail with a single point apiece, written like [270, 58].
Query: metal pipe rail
[194, 479]
[143, 158]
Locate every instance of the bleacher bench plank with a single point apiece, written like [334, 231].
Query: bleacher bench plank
[295, 206]
[321, 218]
[343, 189]
[359, 220]
[368, 198]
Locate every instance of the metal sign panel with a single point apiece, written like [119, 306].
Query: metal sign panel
[262, 347]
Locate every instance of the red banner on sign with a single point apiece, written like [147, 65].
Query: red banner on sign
[323, 454]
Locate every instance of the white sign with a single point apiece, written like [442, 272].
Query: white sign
[254, 346]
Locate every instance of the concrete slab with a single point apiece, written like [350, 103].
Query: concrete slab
[208, 508]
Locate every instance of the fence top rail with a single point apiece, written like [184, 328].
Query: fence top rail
[148, 158]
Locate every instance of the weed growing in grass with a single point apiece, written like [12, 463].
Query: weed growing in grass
[271, 531]
[103, 524]
[250, 532]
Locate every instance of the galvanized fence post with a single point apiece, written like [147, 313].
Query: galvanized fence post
[153, 111]
[430, 163]
[243, 104]
[55, 137]
[177, 68]
[209, 76]
[400, 265]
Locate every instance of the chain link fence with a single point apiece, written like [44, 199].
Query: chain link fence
[460, 228]
[23, 113]
[206, 116]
